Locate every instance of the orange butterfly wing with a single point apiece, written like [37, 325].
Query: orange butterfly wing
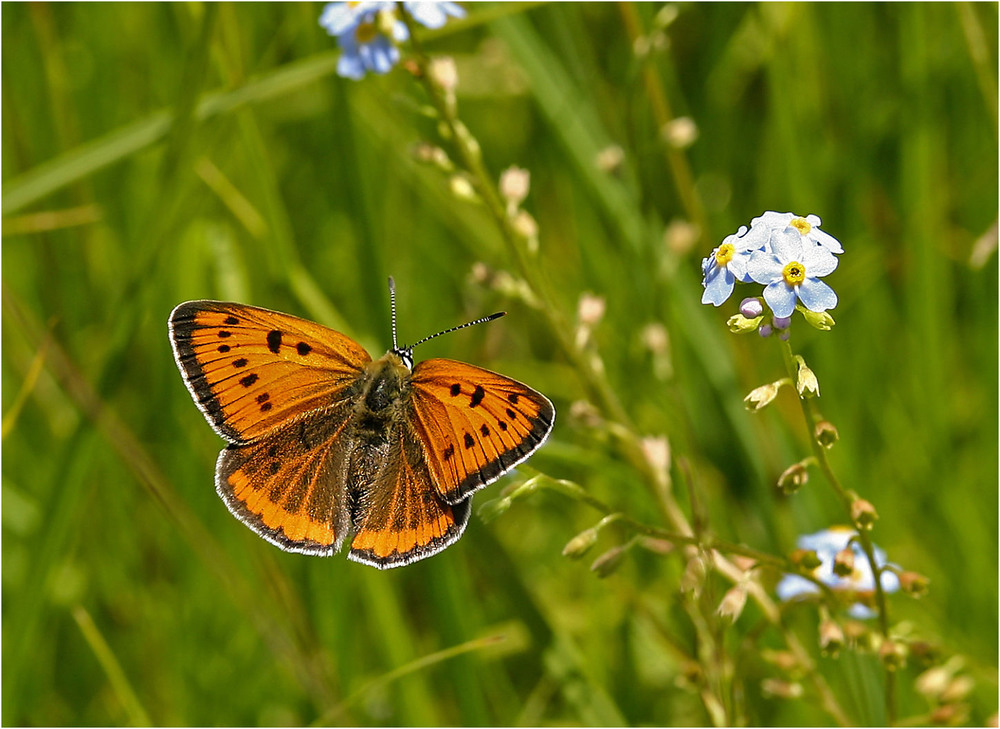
[403, 519]
[474, 424]
[291, 486]
[251, 369]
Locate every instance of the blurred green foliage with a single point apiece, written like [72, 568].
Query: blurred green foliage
[154, 153]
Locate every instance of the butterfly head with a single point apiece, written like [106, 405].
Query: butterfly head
[405, 354]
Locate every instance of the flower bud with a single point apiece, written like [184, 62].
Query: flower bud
[781, 689]
[462, 188]
[863, 514]
[784, 661]
[525, 226]
[609, 160]
[782, 322]
[932, 682]
[580, 544]
[892, 654]
[819, 319]
[763, 395]
[656, 450]
[609, 562]
[514, 186]
[913, 583]
[958, 689]
[951, 715]
[751, 307]
[444, 73]
[826, 434]
[694, 576]
[590, 309]
[806, 382]
[793, 478]
[733, 603]
[739, 324]
[680, 133]
[831, 637]
[656, 546]
[843, 562]
[765, 331]
[807, 559]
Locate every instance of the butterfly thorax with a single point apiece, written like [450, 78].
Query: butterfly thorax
[384, 395]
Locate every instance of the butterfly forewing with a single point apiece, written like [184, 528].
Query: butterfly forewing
[250, 370]
[474, 424]
[402, 518]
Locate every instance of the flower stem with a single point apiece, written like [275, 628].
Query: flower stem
[846, 500]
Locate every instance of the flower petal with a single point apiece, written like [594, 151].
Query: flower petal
[826, 240]
[719, 286]
[818, 261]
[815, 295]
[787, 245]
[764, 267]
[780, 298]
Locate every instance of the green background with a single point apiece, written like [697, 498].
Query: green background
[158, 153]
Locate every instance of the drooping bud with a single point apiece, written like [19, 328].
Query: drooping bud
[843, 562]
[863, 514]
[913, 583]
[807, 559]
[826, 433]
[893, 654]
[831, 637]
[793, 478]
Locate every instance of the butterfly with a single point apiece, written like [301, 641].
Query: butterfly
[324, 441]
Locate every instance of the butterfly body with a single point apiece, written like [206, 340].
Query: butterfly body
[325, 442]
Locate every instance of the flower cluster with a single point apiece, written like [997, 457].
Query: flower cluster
[843, 567]
[787, 253]
[368, 32]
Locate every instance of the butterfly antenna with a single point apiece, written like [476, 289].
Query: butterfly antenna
[392, 305]
[407, 352]
[481, 320]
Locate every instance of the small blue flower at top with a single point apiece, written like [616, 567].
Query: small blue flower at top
[860, 583]
[785, 252]
[368, 32]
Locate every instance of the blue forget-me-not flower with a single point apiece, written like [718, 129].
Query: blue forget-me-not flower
[368, 32]
[860, 582]
[789, 254]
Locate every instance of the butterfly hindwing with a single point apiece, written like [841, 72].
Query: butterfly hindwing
[402, 518]
[290, 486]
[251, 369]
[474, 424]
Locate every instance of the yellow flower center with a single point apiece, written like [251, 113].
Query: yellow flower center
[725, 254]
[794, 273]
[802, 225]
[365, 32]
